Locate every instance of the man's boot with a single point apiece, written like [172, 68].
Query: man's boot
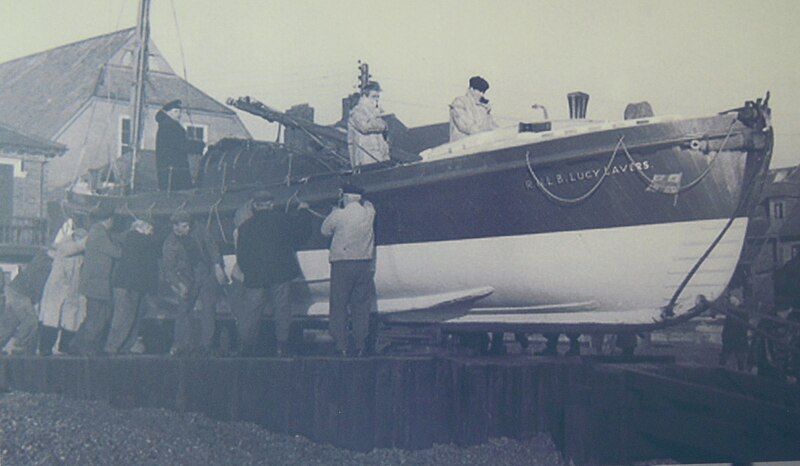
[551, 347]
[574, 346]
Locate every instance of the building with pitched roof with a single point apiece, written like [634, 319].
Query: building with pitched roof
[773, 234]
[80, 96]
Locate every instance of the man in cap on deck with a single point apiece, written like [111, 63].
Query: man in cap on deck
[471, 112]
[173, 148]
[266, 254]
[352, 258]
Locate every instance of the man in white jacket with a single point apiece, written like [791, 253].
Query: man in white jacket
[366, 129]
[352, 256]
[471, 112]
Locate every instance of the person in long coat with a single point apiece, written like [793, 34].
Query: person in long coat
[366, 128]
[62, 305]
[173, 149]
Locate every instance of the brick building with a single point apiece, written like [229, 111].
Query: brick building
[773, 235]
[22, 181]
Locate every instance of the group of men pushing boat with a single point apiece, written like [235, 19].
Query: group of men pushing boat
[267, 238]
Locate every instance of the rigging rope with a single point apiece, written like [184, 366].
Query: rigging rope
[183, 61]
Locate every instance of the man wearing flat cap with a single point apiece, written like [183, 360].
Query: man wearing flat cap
[95, 283]
[194, 270]
[173, 149]
[352, 255]
[266, 254]
[471, 112]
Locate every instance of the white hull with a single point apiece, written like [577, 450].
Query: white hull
[615, 275]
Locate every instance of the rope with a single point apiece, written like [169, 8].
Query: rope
[103, 68]
[215, 208]
[289, 171]
[654, 187]
[150, 212]
[668, 310]
[309, 209]
[210, 211]
[585, 195]
[183, 60]
[129, 212]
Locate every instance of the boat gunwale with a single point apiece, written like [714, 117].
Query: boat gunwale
[421, 172]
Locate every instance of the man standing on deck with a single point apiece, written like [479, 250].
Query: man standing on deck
[471, 112]
[352, 258]
[194, 270]
[266, 254]
[173, 149]
[366, 129]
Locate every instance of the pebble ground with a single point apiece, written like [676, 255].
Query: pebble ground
[41, 429]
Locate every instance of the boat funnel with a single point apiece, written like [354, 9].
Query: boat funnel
[578, 101]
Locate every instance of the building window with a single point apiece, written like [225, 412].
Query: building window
[777, 210]
[197, 133]
[125, 136]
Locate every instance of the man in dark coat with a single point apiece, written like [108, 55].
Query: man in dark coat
[135, 281]
[266, 255]
[194, 270]
[95, 283]
[173, 149]
[19, 318]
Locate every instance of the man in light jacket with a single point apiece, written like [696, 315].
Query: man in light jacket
[95, 283]
[352, 255]
[366, 129]
[471, 112]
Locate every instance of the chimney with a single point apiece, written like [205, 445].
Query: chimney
[578, 101]
[348, 103]
[296, 138]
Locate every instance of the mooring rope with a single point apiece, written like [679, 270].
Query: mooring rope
[668, 310]
[652, 185]
[584, 196]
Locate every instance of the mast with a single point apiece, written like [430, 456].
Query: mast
[363, 75]
[139, 99]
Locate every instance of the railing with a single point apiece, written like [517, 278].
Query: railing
[22, 231]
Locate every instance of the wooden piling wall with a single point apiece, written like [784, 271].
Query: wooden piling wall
[595, 413]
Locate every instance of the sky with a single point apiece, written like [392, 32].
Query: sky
[686, 58]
